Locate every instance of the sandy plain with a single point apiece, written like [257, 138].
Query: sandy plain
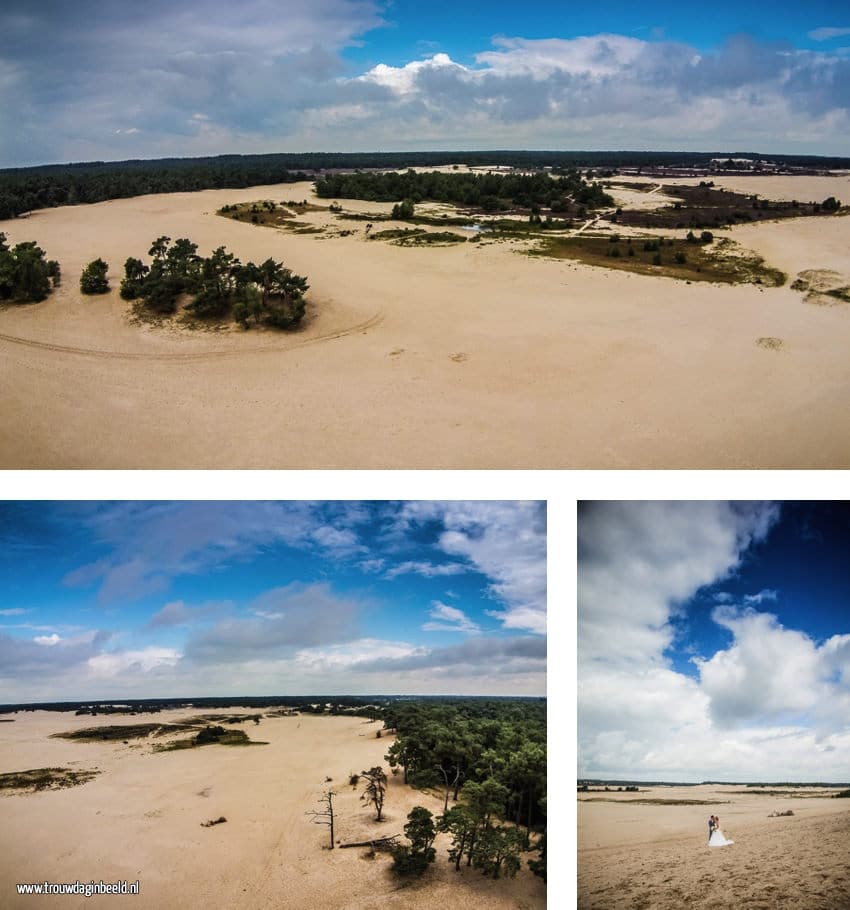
[656, 857]
[469, 356]
[141, 819]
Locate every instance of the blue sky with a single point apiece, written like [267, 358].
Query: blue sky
[714, 640]
[96, 80]
[139, 599]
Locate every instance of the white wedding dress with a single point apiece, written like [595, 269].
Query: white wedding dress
[718, 840]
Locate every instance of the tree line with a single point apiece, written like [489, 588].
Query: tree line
[26, 189]
[491, 191]
[220, 284]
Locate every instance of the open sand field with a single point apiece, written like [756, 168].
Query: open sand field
[141, 819]
[468, 356]
[651, 857]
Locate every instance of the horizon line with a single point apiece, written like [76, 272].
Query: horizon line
[434, 151]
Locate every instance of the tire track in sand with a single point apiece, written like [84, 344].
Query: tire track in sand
[186, 356]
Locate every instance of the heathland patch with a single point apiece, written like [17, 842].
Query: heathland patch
[722, 261]
[45, 779]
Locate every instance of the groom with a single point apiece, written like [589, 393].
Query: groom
[710, 827]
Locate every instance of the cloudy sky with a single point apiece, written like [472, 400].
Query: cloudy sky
[141, 599]
[100, 79]
[714, 641]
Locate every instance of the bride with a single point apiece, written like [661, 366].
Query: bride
[717, 839]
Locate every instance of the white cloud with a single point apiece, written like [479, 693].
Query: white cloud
[426, 569]
[507, 543]
[333, 658]
[449, 619]
[48, 640]
[14, 611]
[772, 704]
[119, 663]
[638, 560]
[402, 79]
[769, 672]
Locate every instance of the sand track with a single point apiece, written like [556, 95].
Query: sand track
[189, 356]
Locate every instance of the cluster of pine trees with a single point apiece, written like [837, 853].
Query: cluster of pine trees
[489, 758]
[26, 275]
[490, 192]
[220, 285]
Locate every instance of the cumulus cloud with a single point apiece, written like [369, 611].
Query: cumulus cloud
[772, 703]
[158, 79]
[769, 672]
[639, 560]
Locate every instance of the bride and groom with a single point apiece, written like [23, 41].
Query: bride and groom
[715, 835]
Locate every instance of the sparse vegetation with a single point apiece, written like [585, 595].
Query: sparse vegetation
[705, 207]
[118, 732]
[417, 237]
[45, 779]
[723, 262]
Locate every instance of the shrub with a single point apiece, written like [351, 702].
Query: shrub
[403, 210]
[420, 831]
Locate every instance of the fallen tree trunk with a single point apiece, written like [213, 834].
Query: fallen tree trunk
[379, 843]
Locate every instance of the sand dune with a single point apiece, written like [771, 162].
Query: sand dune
[645, 856]
[141, 819]
[470, 356]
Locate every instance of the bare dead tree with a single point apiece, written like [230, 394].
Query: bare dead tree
[325, 816]
[449, 783]
[376, 788]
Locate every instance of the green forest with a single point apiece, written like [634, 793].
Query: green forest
[27, 189]
[489, 192]
[488, 759]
